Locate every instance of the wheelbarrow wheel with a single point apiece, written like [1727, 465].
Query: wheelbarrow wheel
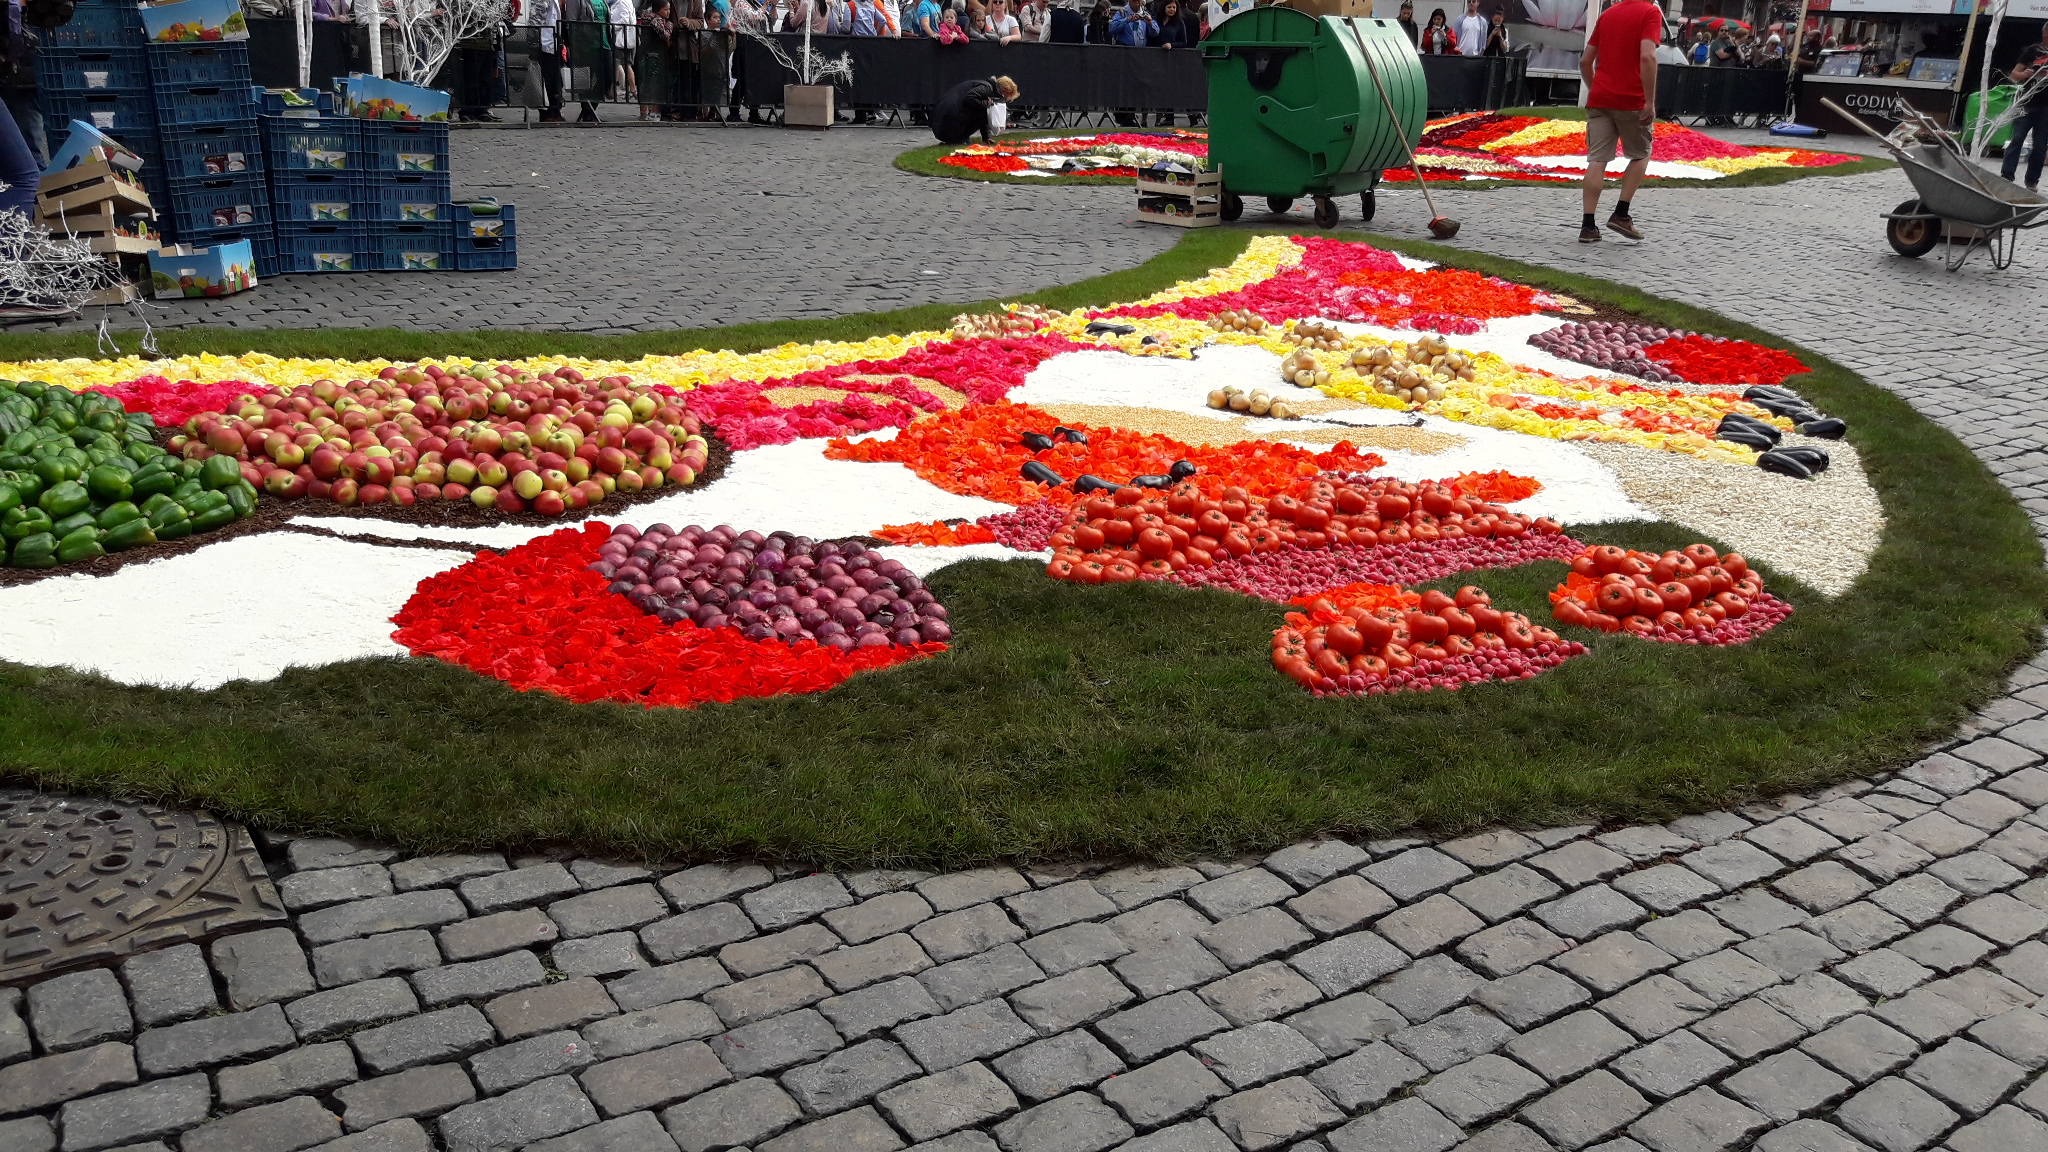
[1326, 212]
[1278, 205]
[1232, 207]
[1366, 207]
[1913, 238]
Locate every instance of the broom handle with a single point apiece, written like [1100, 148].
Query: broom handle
[1394, 118]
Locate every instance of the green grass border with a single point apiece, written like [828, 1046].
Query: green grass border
[1057, 729]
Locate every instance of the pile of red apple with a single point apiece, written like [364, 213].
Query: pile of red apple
[1692, 595]
[498, 437]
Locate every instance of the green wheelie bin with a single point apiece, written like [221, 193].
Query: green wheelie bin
[1293, 110]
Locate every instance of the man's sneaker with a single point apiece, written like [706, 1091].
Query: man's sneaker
[1624, 226]
[1589, 235]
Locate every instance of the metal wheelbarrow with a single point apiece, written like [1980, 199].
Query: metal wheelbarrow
[1958, 202]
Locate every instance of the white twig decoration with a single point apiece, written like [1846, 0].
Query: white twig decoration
[429, 30]
[816, 69]
[46, 274]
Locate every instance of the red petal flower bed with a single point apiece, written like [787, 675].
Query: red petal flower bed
[172, 404]
[985, 163]
[536, 619]
[1701, 359]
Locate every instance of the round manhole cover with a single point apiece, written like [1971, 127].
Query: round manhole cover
[84, 880]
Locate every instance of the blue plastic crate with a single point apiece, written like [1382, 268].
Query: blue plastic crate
[211, 103]
[405, 146]
[323, 248]
[313, 143]
[184, 65]
[426, 247]
[115, 112]
[220, 202]
[317, 198]
[98, 26]
[397, 198]
[206, 151]
[300, 103]
[473, 225]
[475, 254]
[92, 68]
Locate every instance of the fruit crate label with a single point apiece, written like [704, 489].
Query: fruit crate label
[328, 211]
[419, 213]
[417, 161]
[96, 79]
[334, 262]
[103, 120]
[226, 162]
[486, 229]
[234, 214]
[419, 261]
[326, 159]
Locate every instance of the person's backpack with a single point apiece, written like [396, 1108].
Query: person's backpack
[1068, 26]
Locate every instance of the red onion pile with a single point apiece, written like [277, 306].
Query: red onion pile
[1614, 346]
[1765, 613]
[1028, 529]
[1288, 571]
[1456, 672]
[844, 596]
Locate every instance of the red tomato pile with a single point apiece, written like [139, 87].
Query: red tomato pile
[1689, 596]
[1440, 641]
[1136, 532]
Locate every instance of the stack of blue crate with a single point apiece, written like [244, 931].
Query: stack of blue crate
[316, 183]
[486, 237]
[408, 195]
[212, 150]
[95, 69]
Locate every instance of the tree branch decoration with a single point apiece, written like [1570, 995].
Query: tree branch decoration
[42, 273]
[429, 30]
[816, 68]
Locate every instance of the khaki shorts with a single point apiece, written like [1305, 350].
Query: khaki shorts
[1605, 125]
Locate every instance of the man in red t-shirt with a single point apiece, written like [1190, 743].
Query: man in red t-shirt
[1620, 72]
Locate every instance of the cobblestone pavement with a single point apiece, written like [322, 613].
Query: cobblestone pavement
[1861, 968]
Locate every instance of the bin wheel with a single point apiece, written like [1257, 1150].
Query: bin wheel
[1366, 207]
[1278, 205]
[1232, 206]
[1914, 238]
[1326, 212]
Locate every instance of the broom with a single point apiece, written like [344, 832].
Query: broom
[1440, 226]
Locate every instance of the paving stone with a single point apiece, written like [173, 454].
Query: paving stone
[596, 874]
[1416, 873]
[1169, 967]
[1945, 774]
[2020, 1035]
[1347, 963]
[1996, 754]
[1507, 1136]
[1748, 1029]
[303, 891]
[1481, 1089]
[608, 910]
[1939, 834]
[315, 852]
[2003, 1129]
[1666, 887]
[518, 888]
[1158, 923]
[884, 915]
[1158, 1025]
[1580, 862]
[1967, 1075]
[351, 1006]
[1725, 977]
[649, 1028]
[1688, 935]
[639, 1132]
[1786, 1086]
[1452, 1038]
[1862, 1048]
[569, 1004]
[1672, 1065]
[1239, 892]
[1755, 912]
[713, 884]
[449, 1034]
[1343, 1025]
[1926, 1016]
[79, 1010]
[1164, 1090]
[1127, 888]
[1503, 893]
[1367, 1077]
[651, 987]
[1858, 927]
[1885, 856]
[1814, 1001]
[1809, 1136]
[730, 1115]
[2028, 964]
[1943, 947]
[695, 932]
[478, 979]
[1068, 1001]
[311, 1070]
[1984, 809]
[1002, 969]
[1309, 864]
[34, 1085]
[1564, 1048]
[861, 1130]
[653, 1079]
[1585, 1110]
[213, 1040]
[1883, 972]
[975, 1032]
[958, 890]
[426, 908]
[1260, 993]
[286, 1126]
[1896, 1116]
[876, 881]
[1509, 947]
[1051, 1067]
[1275, 1114]
[966, 932]
[1589, 912]
[781, 949]
[520, 1117]
[1340, 905]
[1791, 952]
[1424, 927]
[1917, 899]
[1531, 996]
[1792, 840]
[511, 1065]
[1701, 1119]
[417, 1092]
[2022, 845]
[768, 1046]
[498, 933]
[764, 996]
[606, 955]
[169, 985]
[351, 961]
[1655, 1006]
[877, 1009]
[1194, 1136]
[946, 1101]
[1253, 936]
[1976, 873]
[1075, 946]
[884, 959]
[1492, 848]
[1408, 1125]
[1613, 961]
[438, 871]
[1074, 1123]
[132, 1115]
[1258, 1054]
[1427, 988]
[1058, 906]
[1645, 842]
[1709, 827]
[1732, 864]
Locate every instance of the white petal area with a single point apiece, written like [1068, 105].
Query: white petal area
[1667, 169]
[242, 609]
[1112, 378]
[924, 561]
[789, 487]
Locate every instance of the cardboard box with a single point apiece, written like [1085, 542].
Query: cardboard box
[195, 22]
[221, 270]
[79, 145]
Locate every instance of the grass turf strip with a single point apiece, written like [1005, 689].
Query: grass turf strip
[1129, 720]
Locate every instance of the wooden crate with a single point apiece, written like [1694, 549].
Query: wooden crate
[1197, 202]
[100, 227]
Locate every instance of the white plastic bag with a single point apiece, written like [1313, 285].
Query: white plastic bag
[998, 117]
